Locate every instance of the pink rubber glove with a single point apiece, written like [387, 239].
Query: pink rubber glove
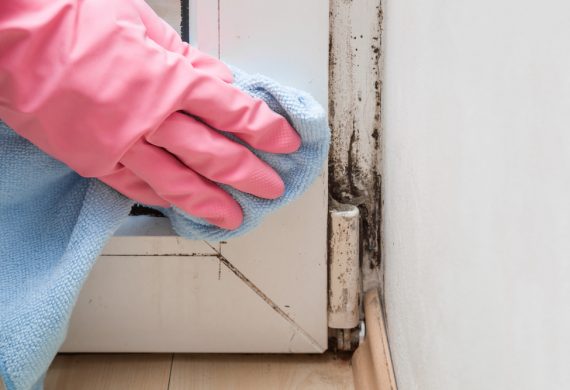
[108, 88]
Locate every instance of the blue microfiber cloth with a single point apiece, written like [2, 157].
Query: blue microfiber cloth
[54, 223]
[298, 170]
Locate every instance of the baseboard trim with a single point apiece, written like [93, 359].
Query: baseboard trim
[371, 362]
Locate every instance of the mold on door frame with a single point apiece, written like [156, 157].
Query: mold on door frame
[355, 81]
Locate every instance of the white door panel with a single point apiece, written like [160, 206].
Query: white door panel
[152, 291]
[176, 304]
[284, 40]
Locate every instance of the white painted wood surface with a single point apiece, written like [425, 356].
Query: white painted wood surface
[264, 292]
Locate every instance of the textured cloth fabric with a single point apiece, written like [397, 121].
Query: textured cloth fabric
[54, 223]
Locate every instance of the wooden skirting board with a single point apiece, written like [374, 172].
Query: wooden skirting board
[371, 362]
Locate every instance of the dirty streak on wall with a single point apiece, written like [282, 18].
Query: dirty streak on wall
[355, 84]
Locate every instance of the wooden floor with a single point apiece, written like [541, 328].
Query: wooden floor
[198, 371]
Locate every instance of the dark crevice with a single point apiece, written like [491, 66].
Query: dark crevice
[185, 20]
[139, 209]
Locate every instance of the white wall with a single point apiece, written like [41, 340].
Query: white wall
[476, 183]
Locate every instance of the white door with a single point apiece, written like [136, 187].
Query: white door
[152, 291]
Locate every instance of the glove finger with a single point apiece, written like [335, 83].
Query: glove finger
[179, 185]
[225, 107]
[130, 185]
[216, 157]
[164, 35]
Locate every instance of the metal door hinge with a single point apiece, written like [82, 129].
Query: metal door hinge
[344, 275]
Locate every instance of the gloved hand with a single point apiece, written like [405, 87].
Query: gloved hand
[108, 88]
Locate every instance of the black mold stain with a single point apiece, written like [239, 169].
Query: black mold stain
[355, 184]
